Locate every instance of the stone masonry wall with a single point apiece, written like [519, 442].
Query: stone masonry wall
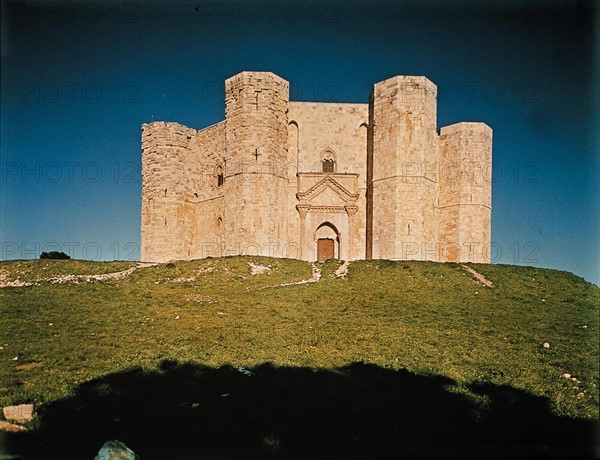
[256, 137]
[204, 198]
[317, 130]
[255, 183]
[464, 205]
[164, 152]
[404, 154]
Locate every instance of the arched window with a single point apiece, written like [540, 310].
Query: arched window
[328, 161]
[328, 165]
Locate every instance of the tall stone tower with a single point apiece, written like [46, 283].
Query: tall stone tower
[164, 148]
[402, 156]
[464, 205]
[255, 170]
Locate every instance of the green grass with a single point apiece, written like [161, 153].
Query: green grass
[427, 318]
[29, 271]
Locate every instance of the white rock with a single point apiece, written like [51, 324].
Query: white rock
[177, 317]
[245, 371]
[566, 376]
[11, 428]
[115, 450]
[257, 269]
[21, 413]
[546, 345]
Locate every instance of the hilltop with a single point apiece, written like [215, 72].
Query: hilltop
[65, 325]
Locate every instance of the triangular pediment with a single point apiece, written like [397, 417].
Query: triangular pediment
[326, 196]
[327, 190]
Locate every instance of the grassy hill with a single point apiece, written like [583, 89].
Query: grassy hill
[68, 326]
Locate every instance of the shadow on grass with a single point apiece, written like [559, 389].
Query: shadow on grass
[186, 411]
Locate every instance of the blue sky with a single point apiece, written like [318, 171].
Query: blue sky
[78, 80]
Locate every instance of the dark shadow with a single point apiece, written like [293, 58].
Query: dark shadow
[186, 411]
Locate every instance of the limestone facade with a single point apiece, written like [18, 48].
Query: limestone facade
[311, 180]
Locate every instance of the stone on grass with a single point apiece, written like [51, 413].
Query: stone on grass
[115, 450]
[20, 414]
[546, 345]
[11, 428]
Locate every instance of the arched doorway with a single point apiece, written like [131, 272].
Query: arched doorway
[327, 242]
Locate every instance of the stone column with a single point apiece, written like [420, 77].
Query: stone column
[302, 210]
[351, 211]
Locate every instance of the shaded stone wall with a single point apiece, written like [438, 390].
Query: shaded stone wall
[203, 205]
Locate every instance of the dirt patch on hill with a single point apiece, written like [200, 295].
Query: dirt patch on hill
[478, 276]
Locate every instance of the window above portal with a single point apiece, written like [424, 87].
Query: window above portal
[328, 161]
[328, 166]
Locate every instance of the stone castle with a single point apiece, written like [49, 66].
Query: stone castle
[314, 181]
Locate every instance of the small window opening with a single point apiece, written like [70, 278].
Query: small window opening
[220, 176]
[328, 165]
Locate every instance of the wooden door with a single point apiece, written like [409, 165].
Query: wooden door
[325, 249]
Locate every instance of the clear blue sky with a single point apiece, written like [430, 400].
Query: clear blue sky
[78, 80]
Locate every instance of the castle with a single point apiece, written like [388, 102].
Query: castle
[314, 181]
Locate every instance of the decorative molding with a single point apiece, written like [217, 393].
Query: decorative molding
[328, 209]
[351, 210]
[328, 182]
[303, 209]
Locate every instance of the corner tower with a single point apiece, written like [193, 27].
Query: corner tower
[402, 156]
[464, 205]
[164, 148]
[255, 172]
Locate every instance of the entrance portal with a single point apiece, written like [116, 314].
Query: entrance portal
[325, 249]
